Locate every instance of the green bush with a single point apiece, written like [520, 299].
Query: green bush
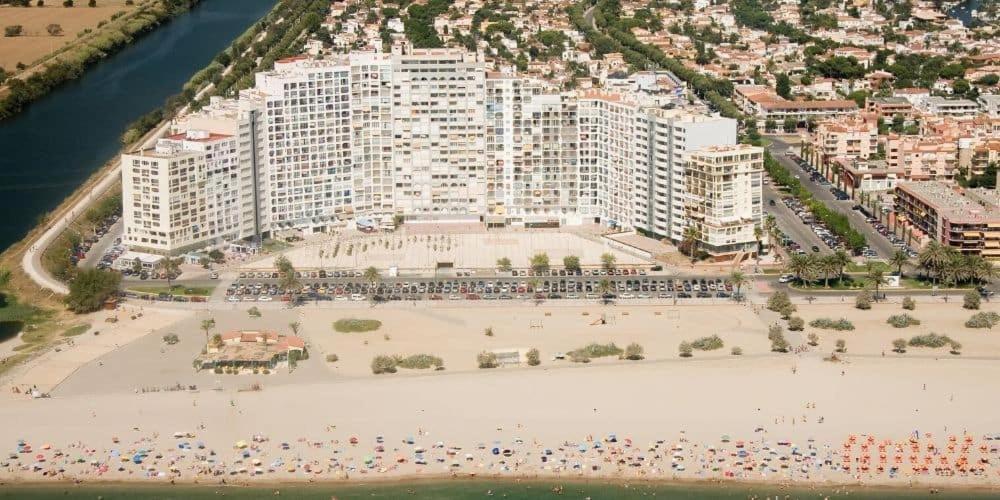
[971, 300]
[863, 300]
[737, 351]
[777, 338]
[332, 358]
[707, 343]
[383, 364]
[813, 339]
[778, 301]
[354, 325]
[841, 345]
[932, 340]
[909, 304]
[983, 320]
[633, 352]
[419, 362]
[533, 357]
[685, 349]
[796, 324]
[899, 345]
[902, 320]
[841, 324]
[171, 338]
[487, 360]
[595, 350]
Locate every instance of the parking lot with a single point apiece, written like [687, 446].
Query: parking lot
[629, 284]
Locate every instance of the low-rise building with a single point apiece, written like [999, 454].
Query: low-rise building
[940, 106]
[251, 350]
[767, 106]
[968, 221]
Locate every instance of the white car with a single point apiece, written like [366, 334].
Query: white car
[340, 297]
[249, 298]
[264, 298]
[233, 298]
[628, 296]
[357, 297]
[785, 278]
[454, 297]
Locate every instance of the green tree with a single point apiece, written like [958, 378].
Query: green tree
[608, 260]
[899, 259]
[207, 325]
[738, 279]
[503, 264]
[540, 263]
[571, 263]
[689, 241]
[170, 267]
[783, 86]
[90, 288]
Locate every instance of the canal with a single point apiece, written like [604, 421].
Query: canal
[56, 143]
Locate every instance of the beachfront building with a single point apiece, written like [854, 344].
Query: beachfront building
[723, 200]
[182, 194]
[247, 350]
[430, 136]
[968, 220]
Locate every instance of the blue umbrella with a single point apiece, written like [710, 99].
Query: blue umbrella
[495, 451]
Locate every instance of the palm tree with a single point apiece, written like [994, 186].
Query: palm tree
[827, 265]
[981, 270]
[207, 325]
[899, 259]
[372, 276]
[738, 279]
[171, 267]
[842, 260]
[876, 276]
[608, 260]
[953, 271]
[690, 241]
[932, 257]
[801, 266]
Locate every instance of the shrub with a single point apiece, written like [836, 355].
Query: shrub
[633, 352]
[707, 343]
[383, 364]
[813, 339]
[685, 349]
[787, 311]
[353, 325]
[983, 320]
[841, 345]
[171, 339]
[841, 324]
[595, 350]
[971, 300]
[899, 345]
[796, 324]
[533, 358]
[737, 351]
[489, 331]
[956, 347]
[777, 338]
[267, 371]
[332, 358]
[932, 340]
[909, 304]
[863, 300]
[419, 362]
[218, 370]
[778, 301]
[487, 360]
[253, 312]
[902, 320]
[578, 358]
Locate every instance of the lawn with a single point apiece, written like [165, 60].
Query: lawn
[73, 331]
[863, 268]
[354, 325]
[194, 291]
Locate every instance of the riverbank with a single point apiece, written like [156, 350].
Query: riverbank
[72, 61]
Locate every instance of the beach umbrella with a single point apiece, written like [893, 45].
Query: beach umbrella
[241, 444]
[496, 451]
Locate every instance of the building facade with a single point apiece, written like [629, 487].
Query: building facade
[723, 200]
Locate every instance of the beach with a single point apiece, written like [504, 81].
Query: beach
[139, 412]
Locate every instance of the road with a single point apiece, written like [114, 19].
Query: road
[876, 241]
[791, 224]
[102, 246]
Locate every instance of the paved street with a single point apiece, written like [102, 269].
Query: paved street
[875, 240]
[790, 224]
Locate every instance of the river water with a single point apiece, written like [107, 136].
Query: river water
[56, 143]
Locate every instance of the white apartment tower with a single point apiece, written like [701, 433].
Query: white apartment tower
[438, 128]
[427, 135]
[724, 196]
[182, 194]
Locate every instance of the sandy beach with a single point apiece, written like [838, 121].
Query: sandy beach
[922, 416]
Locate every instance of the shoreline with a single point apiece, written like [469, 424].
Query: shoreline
[536, 479]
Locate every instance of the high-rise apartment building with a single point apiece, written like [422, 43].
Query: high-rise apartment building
[183, 194]
[723, 199]
[428, 135]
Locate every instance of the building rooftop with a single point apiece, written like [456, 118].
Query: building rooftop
[973, 206]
